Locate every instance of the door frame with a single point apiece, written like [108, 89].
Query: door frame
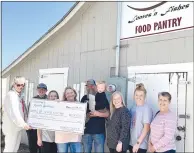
[161, 68]
[167, 68]
[63, 71]
[55, 71]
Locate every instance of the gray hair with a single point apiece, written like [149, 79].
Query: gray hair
[165, 94]
[18, 80]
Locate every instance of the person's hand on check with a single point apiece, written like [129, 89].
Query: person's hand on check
[27, 127]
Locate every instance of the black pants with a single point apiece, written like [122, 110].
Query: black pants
[139, 151]
[169, 151]
[49, 147]
[32, 141]
[114, 151]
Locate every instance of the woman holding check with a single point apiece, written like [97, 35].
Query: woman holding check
[68, 140]
[46, 139]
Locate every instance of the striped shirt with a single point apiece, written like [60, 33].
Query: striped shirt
[162, 134]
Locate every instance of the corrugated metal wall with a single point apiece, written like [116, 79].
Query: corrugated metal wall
[85, 45]
[168, 48]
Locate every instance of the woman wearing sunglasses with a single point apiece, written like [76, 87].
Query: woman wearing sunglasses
[14, 116]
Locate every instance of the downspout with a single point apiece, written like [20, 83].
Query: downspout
[119, 9]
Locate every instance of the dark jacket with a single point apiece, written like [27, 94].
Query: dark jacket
[38, 97]
[118, 128]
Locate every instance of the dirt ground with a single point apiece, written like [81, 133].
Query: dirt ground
[23, 148]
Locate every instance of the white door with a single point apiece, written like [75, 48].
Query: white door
[189, 113]
[170, 82]
[77, 89]
[30, 91]
[5, 88]
[55, 79]
[178, 90]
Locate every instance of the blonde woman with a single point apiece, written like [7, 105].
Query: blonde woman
[141, 117]
[14, 116]
[68, 140]
[118, 127]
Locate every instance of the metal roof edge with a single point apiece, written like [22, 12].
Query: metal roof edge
[35, 45]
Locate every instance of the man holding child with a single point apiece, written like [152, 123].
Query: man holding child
[95, 127]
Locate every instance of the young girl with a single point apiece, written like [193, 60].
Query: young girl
[141, 117]
[46, 139]
[119, 125]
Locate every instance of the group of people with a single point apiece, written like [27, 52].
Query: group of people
[137, 129]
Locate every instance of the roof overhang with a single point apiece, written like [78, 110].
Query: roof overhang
[74, 9]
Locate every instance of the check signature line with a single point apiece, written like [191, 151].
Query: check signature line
[50, 114]
[60, 120]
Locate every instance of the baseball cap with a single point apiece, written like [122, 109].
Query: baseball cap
[42, 85]
[90, 82]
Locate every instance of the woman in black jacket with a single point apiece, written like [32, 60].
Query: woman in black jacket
[118, 126]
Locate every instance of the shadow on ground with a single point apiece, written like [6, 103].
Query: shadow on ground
[23, 149]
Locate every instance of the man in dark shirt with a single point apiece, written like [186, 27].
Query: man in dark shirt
[95, 127]
[32, 134]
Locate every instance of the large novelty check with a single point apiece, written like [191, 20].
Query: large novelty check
[57, 116]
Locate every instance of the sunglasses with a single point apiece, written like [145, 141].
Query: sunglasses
[19, 85]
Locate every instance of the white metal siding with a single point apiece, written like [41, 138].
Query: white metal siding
[168, 48]
[85, 45]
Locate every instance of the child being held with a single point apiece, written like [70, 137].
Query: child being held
[101, 96]
[101, 87]
[99, 102]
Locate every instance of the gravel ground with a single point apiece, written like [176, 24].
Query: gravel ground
[23, 149]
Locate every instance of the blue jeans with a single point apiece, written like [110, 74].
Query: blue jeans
[75, 147]
[169, 151]
[99, 140]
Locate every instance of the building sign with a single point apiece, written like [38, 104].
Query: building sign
[146, 18]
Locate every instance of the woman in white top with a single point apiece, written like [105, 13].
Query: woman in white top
[46, 139]
[68, 140]
[14, 116]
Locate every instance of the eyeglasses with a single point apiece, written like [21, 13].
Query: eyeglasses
[18, 85]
